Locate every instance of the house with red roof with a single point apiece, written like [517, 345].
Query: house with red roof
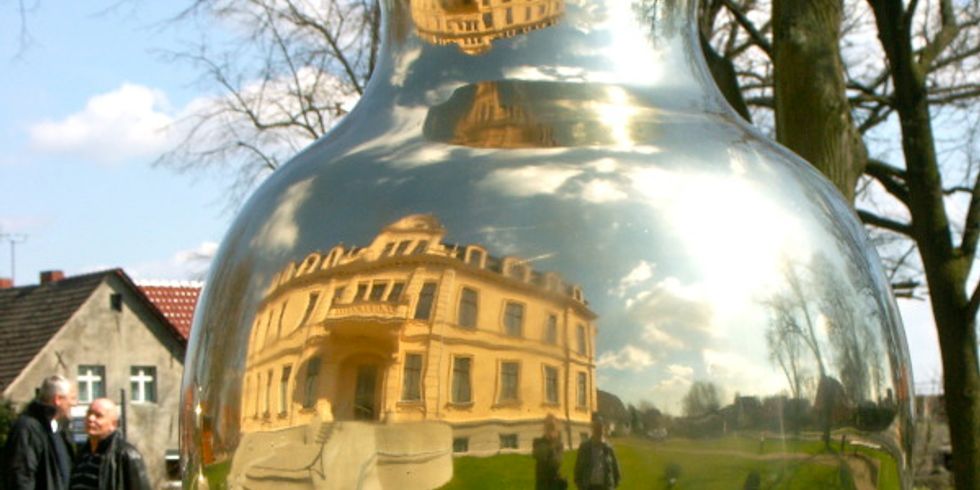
[114, 338]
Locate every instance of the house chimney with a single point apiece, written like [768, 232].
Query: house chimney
[6, 283]
[51, 276]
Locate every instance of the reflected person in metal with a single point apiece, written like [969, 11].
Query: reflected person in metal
[544, 208]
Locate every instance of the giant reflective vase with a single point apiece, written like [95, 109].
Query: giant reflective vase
[542, 247]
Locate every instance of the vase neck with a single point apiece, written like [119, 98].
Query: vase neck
[649, 46]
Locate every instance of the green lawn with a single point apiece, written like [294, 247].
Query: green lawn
[721, 464]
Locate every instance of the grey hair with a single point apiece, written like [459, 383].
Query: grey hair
[53, 386]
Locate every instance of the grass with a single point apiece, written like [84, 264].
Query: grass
[722, 464]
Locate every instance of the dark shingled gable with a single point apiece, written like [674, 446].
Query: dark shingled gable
[31, 315]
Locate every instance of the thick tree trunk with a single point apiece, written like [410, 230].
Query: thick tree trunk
[944, 268]
[813, 115]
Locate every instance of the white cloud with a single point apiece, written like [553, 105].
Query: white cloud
[640, 273]
[130, 121]
[628, 358]
[190, 264]
[529, 181]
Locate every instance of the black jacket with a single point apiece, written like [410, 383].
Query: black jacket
[122, 464]
[34, 457]
[584, 463]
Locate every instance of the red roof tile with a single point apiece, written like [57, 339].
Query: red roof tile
[176, 302]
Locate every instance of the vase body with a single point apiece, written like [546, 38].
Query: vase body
[545, 208]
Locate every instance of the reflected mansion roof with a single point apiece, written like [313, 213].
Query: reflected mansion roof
[474, 24]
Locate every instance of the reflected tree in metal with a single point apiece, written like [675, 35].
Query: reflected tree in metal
[544, 210]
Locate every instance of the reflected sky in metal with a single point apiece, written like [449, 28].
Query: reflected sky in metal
[536, 200]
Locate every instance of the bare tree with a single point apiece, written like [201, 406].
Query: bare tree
[290, 74]
[930, 66]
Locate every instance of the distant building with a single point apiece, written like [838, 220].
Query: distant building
[103, 332]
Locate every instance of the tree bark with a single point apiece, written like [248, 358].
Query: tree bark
[944, 265]
[813, 115]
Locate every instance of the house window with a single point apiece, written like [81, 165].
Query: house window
[378, 291]
[338, 293]
[361, 291]
[116, 302]
[284, 389]
[551, 384]
[412, 378]
[514, 319]
[420, 247]
[467, 308]
[268, 394]
[388, 248]
[551, 330]
[509, 381]
[91, 383]
[396, 292]
[580, 333]
[583, 393]
[309, 386]
[461, 380]
[310, 306]
[143, 384]
[402, 247]
[461, 444]
[508, 441]
[423, 309]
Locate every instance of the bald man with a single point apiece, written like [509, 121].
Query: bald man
[107, 461]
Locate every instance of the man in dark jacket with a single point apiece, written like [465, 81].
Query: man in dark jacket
[39, 453]
[596, 467]
[107, 461]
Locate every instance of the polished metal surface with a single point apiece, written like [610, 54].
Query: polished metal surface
[544, 207]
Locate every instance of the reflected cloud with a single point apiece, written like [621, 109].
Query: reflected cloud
[630, 358]
[281, 231]
[529, 180]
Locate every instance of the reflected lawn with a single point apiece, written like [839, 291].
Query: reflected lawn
[721, 464]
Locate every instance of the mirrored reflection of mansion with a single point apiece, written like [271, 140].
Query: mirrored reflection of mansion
[474, 24]
[410, 331]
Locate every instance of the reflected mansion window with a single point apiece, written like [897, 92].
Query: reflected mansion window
[378, 291]
[467, 308]
[514, 319]
[509, 381]
[91, 383]
[580, 334]
[551, 385]
[143, 384]
[396, 292]
[551, 330]
[412, 378]
[284, 389]
[462, 392]
[310, 306]
[268, 394]
[583, 394]
[423, 309]
[309, 385]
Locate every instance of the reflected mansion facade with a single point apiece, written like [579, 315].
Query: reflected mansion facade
[411, 329]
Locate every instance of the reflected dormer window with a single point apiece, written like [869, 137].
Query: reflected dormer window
[475, 257]
[402, 247]
[388, 248]
[421, 247]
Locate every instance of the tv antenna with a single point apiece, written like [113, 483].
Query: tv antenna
[13, 239]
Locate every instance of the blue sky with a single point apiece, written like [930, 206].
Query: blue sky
[83, 111]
